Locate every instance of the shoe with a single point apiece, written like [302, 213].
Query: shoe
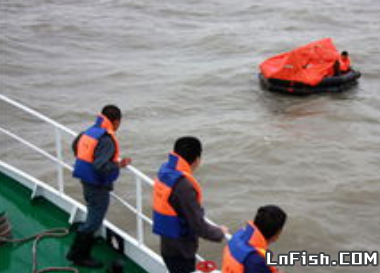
[116, 266]
[80, 251]
[88, 262]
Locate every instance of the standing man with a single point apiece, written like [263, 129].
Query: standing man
[245, 252]
[178, 215]
[97, 166]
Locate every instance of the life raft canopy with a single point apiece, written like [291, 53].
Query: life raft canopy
[313, 68]
[308, 64]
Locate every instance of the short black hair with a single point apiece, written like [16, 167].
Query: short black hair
[189, 148]
[344, 53]
[270, 219]
[112, 112]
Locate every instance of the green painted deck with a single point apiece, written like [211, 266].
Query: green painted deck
[31, 217]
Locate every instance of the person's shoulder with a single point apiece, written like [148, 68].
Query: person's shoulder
[183, 189]
[106, 141]
[183, 184]
[106, 138]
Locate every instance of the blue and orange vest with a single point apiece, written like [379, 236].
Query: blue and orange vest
[88, 141]
[245, 242]
[166, 221]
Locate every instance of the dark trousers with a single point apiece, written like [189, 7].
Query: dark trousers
[179, 264]
[97, 202]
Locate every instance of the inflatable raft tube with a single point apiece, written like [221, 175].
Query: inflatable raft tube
[333, 84]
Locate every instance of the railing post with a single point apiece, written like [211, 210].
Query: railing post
[58, 147]
[139, 220]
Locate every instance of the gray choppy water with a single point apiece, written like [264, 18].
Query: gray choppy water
[189, 67]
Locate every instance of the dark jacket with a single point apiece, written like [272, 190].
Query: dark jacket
[184, 201]
[255, 264]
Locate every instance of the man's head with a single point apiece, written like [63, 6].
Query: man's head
[113, 113]
[270, 220]
[190, 149]
[344, 54]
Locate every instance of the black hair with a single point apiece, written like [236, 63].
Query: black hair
[344, 53]
[189, 148]
[112, 112]
[270, 220]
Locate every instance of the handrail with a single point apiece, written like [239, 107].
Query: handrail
[138, 173]
[34, 147]
[67, 130]
[60, 163]
[37, 114]
[58, 159]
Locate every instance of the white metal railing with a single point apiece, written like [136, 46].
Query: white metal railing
[59, 129]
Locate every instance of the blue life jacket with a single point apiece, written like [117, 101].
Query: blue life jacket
[84, 168]
[166, 221]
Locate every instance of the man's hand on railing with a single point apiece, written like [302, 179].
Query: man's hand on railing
[124, 162]
[224, 229]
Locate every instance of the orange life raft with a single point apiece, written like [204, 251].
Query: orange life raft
[306, 70]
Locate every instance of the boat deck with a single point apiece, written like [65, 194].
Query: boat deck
[29, 217]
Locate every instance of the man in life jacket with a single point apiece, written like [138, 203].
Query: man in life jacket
[341, 65]
[245, 252]
[344, 62]
[178, 214]
[97, 166]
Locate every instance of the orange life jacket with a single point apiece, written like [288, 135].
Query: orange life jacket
[166, 221]
[245, 242]
[345, 64]
[88, 141]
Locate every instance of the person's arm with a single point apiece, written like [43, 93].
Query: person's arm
[184, 200]
[256, 264]
[74, 145]
[104, 153]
